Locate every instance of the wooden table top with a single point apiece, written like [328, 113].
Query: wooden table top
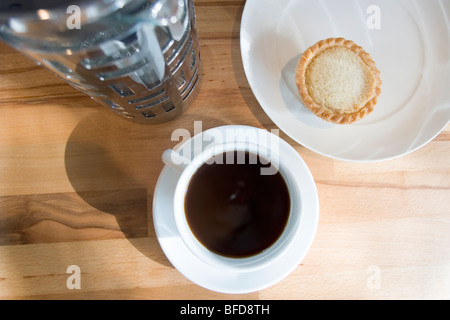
[77, 185]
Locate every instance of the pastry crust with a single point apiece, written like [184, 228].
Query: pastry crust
[338, 114]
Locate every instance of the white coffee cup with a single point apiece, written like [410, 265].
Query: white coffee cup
[188, 168]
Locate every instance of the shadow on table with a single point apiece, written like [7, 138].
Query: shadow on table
[113, 166]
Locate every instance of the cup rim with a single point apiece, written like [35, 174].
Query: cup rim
[244, 264]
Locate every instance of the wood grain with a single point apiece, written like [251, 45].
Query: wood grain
[59, 217]
[77, 184]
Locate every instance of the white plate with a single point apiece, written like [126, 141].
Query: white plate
[226, 281]
[411, 49]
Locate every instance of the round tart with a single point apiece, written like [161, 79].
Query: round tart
[338, 80]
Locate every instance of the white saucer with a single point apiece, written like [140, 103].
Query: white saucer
[410, 46]
[226, 281]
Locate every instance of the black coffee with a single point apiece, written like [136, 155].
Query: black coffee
[234, 210]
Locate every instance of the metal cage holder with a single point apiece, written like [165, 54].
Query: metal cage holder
[141, 60]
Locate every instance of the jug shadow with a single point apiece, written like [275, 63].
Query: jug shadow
[112, 166]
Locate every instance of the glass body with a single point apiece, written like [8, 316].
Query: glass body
[139, 58]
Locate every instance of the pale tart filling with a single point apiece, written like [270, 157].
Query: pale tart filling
[338, 80]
